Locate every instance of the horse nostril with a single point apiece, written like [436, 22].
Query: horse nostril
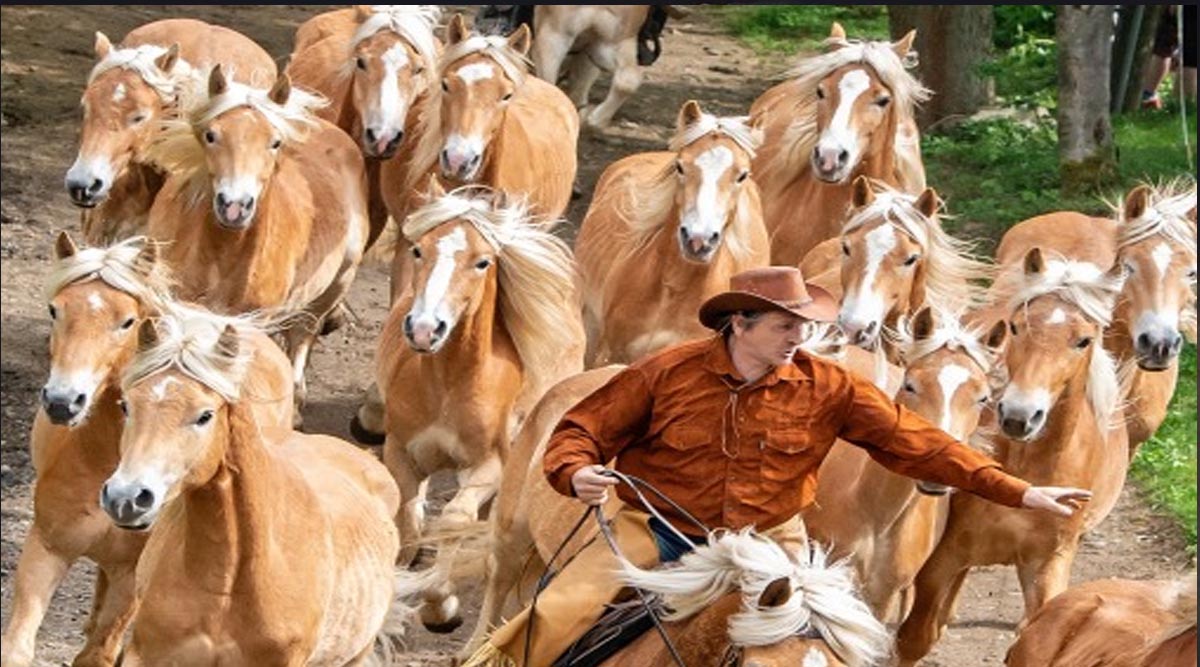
[371, 136]
[408, 325]
[221, 200]
[441, 328]
[249, 203]
[80, 399]
[1143, 341]
[399, 136]
[45, 396]
[716, 236]
[843, 156]
[95, 186]
[871, 327]
[1038, 415]
[144, 499]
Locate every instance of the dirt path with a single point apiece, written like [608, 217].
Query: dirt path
[44, 58]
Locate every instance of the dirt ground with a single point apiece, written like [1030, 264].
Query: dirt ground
[45, 54]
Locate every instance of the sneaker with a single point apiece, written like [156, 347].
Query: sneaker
[1154, 102]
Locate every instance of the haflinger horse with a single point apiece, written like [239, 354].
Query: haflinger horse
[744, 600]
[97, 299]
[265, 208]
[843, 113]
[893, 258]
[1153, 241]
[491, 321]
[155, 74]
[888, 524]
[1113, 623]
[1060, 424]
[590, 39]
[665, 231]
[372, 69]
[231, 573]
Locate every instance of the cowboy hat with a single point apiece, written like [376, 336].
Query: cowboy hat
[770, 288]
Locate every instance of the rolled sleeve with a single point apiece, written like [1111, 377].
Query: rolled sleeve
[598, 428]
[906, 443]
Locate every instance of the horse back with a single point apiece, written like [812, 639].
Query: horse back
[203, 45]
[339, 22]
[1077, 236]
[319, 67]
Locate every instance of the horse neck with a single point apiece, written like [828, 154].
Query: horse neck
[97, 441]
[892, 496]
[700, 640]
[880, 160]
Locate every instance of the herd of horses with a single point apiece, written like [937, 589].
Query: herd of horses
[227, 207]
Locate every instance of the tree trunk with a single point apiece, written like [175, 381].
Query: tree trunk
[1145, 44]
[1086, 152]
[952, 42]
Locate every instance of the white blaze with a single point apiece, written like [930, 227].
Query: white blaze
[950, 378]
[429, 302]
[476, 72]
[866, 304]
[705, 216]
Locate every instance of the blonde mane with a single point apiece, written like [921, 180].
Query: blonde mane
[429, 123]
[412, 23]
[953, 272]
[949, 333]
[120, 266]
[178, 150]
[646, 207]
[1094, 293]
[177, 85]
[801, 135]
[536, 271]
[823, 594]
[1166, 215]
[189, 341]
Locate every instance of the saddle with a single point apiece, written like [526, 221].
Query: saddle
[621, 624]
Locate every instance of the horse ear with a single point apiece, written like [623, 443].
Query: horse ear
[689, 114]
[147, 336]
[229, 343]
[903, 45]
[521, 39]
[102, 46]
[923, 324]
[456, 30]
[1034, 263]
[836, 31]
[928, 203]
[216, 81]
[434, 190]
[362, 12]
[996, 336]
[776, 594]
[281, 90]
[166, 62]
[1136, 203]
[861, 193]
[63, 246]
[147, 257]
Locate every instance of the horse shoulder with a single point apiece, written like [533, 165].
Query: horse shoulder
[536, 152]
[604, 235]
[341, 22]
[320, 67]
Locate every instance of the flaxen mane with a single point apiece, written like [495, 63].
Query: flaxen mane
[121, 266]
[177, 87]
[412, 23]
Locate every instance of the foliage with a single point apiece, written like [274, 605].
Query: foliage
[1026, 74]
[794, 28]
[1016, 24]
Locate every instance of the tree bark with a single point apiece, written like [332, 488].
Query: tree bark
[1086, 151]
[952, 42]
[1133, 93]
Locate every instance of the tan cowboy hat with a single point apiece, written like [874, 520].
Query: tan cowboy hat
[770, 288]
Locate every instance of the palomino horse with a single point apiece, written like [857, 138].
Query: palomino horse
[887, 524]
[491, 321]
[1059, 418]
[1113, 623]
[893, 258]
[154, 75]
[230, 497]
[98, 297]
[597, 38]
[1153, 241]
[843, 113]
[265, 207]
[665, 231]
[372, 68]
[744, 600]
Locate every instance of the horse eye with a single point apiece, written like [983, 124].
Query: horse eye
[912, 259]
[1191, 275]
[743, 176]
[445, 86]
[1083, 343]
[276, 144]
[127, 324]
[53, 312]
[124, 407]
[416, 252]
[418, 70]
[679, 167]
[204, 418]
[982, 400]
[908, 386]
[506, 97]
[846, 249]
[138, 119]
[820, 94]
[882, 102]
[210, 136]
[1127, 267]
[360, 62]
[1012, 328]
[483, 263]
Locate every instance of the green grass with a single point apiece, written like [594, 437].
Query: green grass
[794, 28]
[1166, 466]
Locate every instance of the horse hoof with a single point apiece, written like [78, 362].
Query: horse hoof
[444, 628]
[334, 320]
[363, 435]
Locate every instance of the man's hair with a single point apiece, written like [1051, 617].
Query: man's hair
[750, 316]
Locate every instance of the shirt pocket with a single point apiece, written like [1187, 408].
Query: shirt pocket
[784, 430]
[685, 436]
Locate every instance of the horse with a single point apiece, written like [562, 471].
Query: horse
[97, 297]
[843, 113]
[664, 232]
[264, 208]
[743, 600]
[372, 69]
[1113, 623]
[491, 320]
[153, 76]
[590, 39]
[1059, 419]
[892, 259]
[226, 497]
[1152, 239]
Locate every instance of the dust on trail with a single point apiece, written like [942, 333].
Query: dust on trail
[45, 54]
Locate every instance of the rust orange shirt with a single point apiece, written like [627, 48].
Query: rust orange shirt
[736, 454]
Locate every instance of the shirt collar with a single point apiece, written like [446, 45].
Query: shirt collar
[717, 360]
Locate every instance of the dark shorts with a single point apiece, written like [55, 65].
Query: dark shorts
[1166, 36]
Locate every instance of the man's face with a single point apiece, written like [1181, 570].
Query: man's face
[772, 339]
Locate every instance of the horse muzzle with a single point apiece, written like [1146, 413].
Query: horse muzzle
[130, 506]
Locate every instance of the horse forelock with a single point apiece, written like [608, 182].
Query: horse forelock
[736, 128]
[141, 60]
[949, 333]
[412, 23]
[1166, 215]
[120, 266]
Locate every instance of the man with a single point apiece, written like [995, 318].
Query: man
[732, 429]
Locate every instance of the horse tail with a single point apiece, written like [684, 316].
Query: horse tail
[389, 644]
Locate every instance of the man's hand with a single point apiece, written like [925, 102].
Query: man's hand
[590, 486]
[1062, 501]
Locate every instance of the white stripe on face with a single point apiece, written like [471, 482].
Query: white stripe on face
[1162, 258]
[160, 390]
[815, 658]
[448, 247]
[839, 135]
[1059, 316]
[705, 216]
[119, 92]
[867, 304]
[95, 302]
[392, 108]
[950, 378]
[476, 72]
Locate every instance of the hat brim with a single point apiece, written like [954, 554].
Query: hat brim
[821, 306]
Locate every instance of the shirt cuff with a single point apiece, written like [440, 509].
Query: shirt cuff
[1002, 487]
[561, 480]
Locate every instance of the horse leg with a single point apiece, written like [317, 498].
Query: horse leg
[1041, 580]
[370, 421]
[582, 75]
[377, 213]
[39, 572]
[110, 617]
[413, 484]
[627, 77]
[300, 337]
[936, 588]
[549, 51]
[510, 547]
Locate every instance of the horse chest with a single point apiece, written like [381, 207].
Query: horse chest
[434, 443]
